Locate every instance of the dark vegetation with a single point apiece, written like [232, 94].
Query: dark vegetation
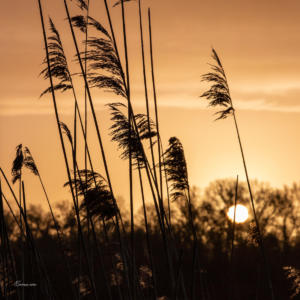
[216, 274]
[180, 244]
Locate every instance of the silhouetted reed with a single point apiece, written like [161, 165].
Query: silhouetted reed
[219, 96]
[177, 177]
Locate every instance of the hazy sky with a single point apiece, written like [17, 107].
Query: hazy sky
[258, 42]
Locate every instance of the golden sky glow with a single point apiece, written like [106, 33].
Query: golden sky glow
[258, 42]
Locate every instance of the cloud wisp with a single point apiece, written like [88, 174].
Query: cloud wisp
[273, 98]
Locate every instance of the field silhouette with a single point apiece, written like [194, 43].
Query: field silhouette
[180, 244]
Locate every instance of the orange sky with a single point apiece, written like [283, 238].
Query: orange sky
[258, 42]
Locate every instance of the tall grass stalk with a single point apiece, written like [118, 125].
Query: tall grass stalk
[45, 281]
[162, 162]
[63, 146]
[26, 250]
[156, 109]
[195, 243]
[16, 172]
[25, 236]
[152, 265]
[130, 117]
[261, 244]
[74, 153]
[231, 279]
[219, 95]
[11, 211]
[177, 175]
[56, 226]
[146, 90]
[178, 274]
[8, 264]
[86, 102]
[89, 217]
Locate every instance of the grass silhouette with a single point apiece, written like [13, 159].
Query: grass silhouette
[181, 243]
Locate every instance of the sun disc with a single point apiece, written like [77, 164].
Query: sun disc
[241, 214]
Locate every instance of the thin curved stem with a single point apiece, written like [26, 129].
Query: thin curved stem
[261, 244]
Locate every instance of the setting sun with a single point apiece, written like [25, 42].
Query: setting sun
[241, 214]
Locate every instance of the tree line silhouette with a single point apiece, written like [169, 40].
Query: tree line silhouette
[220, 270]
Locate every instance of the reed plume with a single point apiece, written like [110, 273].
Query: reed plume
[100, 57]
[97, 198]
[66, 131]
[176, 169]
[18, 163]
[119, 131]
[82, 4]
[58, 63]
[218, 95]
